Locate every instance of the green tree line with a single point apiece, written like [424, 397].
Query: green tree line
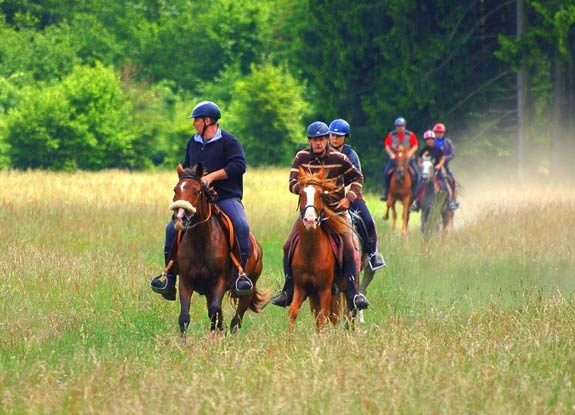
[88, 84]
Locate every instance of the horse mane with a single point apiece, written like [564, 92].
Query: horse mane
[335, 223]
[196, 172]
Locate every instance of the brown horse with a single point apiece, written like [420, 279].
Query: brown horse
[205, 259]
[314, 263]
[400, 189]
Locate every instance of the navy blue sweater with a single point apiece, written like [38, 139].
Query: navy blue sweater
[223, 151]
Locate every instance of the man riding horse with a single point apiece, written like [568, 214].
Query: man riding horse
[446, 145]
[339, 169]
[222, 157]
[396, 138]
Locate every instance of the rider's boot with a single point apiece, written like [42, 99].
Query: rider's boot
[285, 296]
[376, 261]
[165, 284]
[452, 204]
[243, 285]
[355, 299]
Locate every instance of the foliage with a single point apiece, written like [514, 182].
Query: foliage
[266, 113]
[84, 122]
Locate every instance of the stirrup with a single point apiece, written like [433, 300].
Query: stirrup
[378, 257]
[360, 302]
[243, 278]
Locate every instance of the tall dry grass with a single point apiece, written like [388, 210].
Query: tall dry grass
[481, 322]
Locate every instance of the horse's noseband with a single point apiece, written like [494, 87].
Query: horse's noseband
[317, 213]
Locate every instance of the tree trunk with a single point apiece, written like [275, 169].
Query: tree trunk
[559, 145]
[522, 115]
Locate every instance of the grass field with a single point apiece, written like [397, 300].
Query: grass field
[482, 323]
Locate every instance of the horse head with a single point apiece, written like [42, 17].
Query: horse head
[191, 195]
[310, 196]
[401, 162]
[427, 169]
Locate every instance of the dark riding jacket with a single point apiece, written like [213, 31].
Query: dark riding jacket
[339, 168]
[223, 151]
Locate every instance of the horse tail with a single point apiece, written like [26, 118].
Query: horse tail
[260, 298]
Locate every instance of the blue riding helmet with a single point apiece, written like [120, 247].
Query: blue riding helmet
[339, 127]
[317, 129]
[399, 121]
[206, 109]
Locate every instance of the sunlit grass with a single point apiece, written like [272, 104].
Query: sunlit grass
[482, 321]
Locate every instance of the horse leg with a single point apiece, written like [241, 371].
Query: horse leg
[336, 304]
[325, 301]
[393, 217]
[214, 303]
[299, 297]
[185, 300]
[405, 215]
[386, 216]
[243, 305]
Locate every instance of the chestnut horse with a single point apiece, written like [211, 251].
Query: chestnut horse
[313, 262]
[205, 261]
[399, 189]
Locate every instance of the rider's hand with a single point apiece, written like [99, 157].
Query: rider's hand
[208, 179]
[343, 204]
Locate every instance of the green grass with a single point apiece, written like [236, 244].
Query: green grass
[481, 322]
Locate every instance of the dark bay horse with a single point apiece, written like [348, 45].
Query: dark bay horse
[434, 211]
[400, 189]
[313, 262]
[204, 262]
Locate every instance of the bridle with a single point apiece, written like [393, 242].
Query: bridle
[205, 191]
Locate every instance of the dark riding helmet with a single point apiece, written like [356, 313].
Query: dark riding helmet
[317, 129]
[339, 127]
[206, 109]
[399, 121]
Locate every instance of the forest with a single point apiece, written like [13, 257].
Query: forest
[98, 84]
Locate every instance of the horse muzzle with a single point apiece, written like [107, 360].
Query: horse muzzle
[183, 211]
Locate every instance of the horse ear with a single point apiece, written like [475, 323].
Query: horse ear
[300, 173]
[180, 170]
[199, 170]
[322, 174]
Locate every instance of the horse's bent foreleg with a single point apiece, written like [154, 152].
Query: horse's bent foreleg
[298, 298]
[185, 300]
[366, 279]
[243, 305]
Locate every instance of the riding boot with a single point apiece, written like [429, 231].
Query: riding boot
[243, 285]
[375, 259]
[165, 283]
[355, 299]
[285, 296]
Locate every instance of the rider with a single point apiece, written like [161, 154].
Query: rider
[438, 160]
[342, 171]
[407, 139]
[446, 145]
[339, 131]
[223, 159]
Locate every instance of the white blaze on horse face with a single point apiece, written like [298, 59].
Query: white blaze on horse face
[310, 215]
[426, 169]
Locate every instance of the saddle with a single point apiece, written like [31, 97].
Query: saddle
[227, 226]
[336, 246]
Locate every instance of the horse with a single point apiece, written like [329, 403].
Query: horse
[434, 211]
[400, 189]
[313, 262]
[205, 256]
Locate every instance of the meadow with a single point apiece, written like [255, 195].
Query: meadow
[481, 322]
